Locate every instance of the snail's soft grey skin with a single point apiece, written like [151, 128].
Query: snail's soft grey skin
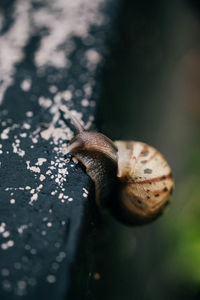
[99, 156]
[131, 178]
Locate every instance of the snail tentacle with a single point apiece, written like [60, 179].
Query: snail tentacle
[73, 119]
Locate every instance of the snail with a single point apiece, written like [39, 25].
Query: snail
[132, 179]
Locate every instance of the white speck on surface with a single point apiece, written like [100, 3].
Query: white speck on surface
[21, 228]
[33, 198]
[17, 149]
[6, 234]
[60, 196]
[39, 187]
[8, 244]
[35, 169]
[67, 95]
[33, 251]
[57, 180]
[49, 224]
[12, 201]
[53, 193]
[52, 168]
[4, 246]
[32, 168]
[85, 102]
[42, 177]
[35, 140]
[2, 227]
[87, 89]
[27, 247]
[60, 256]
[23, 135]
[14, 189]
[45, 102]
[26, 85]
[21, 287]
[51, 278]
[41, 161]
[63, 172]
[29, 114]
[26, 126]
[93, 56]
[21, 284]
[6, 131]
[53, 89]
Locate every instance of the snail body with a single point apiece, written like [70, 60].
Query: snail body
[99, 156]
[131, 178]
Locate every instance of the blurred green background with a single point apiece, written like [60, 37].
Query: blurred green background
[152, 94]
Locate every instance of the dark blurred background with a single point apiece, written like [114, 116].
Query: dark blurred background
[152, 94]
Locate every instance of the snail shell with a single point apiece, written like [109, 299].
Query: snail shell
[145, 182]
[131, 178]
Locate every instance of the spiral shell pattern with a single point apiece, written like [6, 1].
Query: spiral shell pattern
[146, 181]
